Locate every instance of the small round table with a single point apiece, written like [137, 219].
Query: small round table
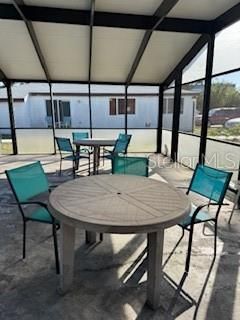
[118, 204]
[96, 143]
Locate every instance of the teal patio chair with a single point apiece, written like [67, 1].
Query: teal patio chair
[211, 184]
[67, 153]
[130, 165]
[29, 182]
[120, 146]
[81, 136]
[137, 166]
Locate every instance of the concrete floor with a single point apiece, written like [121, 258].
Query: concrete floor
[110, 277]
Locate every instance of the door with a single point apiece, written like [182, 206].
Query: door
[62, 113]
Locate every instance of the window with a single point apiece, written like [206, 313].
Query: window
[164, 105]
[168, 104]
[131, 106]
[182, 105]
[112, 107]
[62, 113]
[121, 106]
[117, 106]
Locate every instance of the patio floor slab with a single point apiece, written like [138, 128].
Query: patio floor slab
[110, 277]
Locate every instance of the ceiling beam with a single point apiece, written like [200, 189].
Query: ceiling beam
[227, 18]
[104, 19]
[110, 83]
[161, 12]
[198, 45]
[19, 6]
[3, 77]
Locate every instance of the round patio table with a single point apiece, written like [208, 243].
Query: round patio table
[96, 143]
[118, 204]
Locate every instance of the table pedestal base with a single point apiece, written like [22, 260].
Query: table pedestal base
[67, 241]
[91, 237]
[155, 253]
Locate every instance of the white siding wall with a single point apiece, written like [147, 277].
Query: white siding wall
[32, 113]
[4, 115]
[186, 118]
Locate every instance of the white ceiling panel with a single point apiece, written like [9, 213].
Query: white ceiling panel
[65, 49]
[164, 51]
[67, 4]
[18, 58]
[201, 9]
[113, 52]
[147, 7]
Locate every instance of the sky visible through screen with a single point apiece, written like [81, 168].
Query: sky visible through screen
[226, 57]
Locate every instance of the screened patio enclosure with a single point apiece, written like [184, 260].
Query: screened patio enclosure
[119, 50]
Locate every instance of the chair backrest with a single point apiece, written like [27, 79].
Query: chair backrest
[27, 181]
[64, 144]
[121, 144]
[137, 166]
[210, 182]
[80, 135]
[124, 136]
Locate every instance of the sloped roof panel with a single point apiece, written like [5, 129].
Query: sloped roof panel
[201, 9]
[163, 52]
[147, 7]
[18, 58]
[113, 53]
[67, 4]
[65, 49]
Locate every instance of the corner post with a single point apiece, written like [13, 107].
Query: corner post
[126, 109]
[11, 116]
[176, 117]
[206, 99]
[90, 108]
[160, 118]
[53, 119]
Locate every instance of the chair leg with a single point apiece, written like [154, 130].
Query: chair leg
[234, 206]
[54, 232]
[215, 239]
[89, 165]
[188, 258]
[24, 239]
[175, 247]
[60, 171]
[73, 169]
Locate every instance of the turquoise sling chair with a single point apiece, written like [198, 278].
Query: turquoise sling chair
[137, 166]
[120, 146]
[67, 153]
[27, 182]
[211, 184]
[81, 136]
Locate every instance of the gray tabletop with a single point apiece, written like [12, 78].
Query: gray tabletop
[119, 204]
[97, 142]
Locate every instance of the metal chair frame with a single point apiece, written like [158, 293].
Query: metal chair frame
[73, 156]
[190, 227]
[54, 223]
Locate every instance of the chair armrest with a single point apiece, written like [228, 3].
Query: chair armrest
[86, 150]
[51, 187]
[199, 208]
[107, 150]
[39, 203]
